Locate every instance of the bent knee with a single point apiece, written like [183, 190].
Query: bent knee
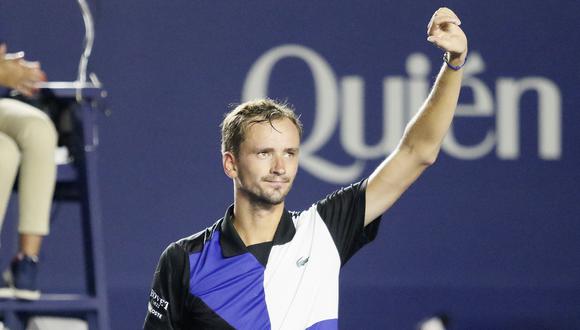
[7, 103]
[36, 132]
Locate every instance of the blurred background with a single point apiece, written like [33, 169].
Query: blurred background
[489, 235]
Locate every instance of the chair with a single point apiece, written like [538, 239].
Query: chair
[77, 181]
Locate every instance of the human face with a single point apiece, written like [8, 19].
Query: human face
[267, 162]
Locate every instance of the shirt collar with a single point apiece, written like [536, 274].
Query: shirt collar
[231, 243]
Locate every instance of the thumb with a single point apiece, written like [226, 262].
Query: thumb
[2, 50]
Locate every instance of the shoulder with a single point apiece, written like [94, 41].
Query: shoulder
[344, 194]
[193, 243]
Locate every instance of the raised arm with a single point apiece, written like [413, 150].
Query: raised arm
[424, 134]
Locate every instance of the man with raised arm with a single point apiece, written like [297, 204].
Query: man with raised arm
[263, 267]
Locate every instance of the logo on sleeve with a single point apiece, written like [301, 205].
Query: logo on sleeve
[157, 304]
[153, 312]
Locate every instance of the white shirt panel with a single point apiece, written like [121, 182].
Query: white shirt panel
[300, 293]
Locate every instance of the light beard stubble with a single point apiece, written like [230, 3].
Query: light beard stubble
[260, 197]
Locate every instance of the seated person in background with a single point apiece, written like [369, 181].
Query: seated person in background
[27, 146]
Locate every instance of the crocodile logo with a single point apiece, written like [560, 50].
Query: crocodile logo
[302, 261]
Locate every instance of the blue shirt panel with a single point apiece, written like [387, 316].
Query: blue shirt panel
[233, 287]
[324, 325]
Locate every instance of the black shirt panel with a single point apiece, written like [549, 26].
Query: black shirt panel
[231, 243]
[343, 212]
[166, 309]
[261, 251]
[203, 317]
[170, 304]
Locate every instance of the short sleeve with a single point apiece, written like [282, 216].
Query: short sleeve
[343, 212]
[165, 309]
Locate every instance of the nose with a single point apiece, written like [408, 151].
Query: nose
[278, 166]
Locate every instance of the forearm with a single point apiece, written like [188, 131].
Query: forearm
[425, 132]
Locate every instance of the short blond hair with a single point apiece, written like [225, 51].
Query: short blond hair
[237, 121]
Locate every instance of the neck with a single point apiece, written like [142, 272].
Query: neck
[256, 222]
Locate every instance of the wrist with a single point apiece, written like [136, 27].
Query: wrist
[455, 61]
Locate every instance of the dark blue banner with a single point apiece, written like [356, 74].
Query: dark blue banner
[488, 235]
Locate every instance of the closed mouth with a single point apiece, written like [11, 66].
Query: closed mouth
[277, 180]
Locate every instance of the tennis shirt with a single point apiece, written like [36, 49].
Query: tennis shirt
[211, 280]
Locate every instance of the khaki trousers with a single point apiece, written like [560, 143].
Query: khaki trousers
[27, 145]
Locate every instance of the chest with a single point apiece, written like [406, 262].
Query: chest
[299, 279]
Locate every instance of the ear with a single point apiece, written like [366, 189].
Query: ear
[230, 166]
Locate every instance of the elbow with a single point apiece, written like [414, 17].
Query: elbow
[429, 159]
[423, 157]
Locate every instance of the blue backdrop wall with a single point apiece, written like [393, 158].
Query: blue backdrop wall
[488, 235]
